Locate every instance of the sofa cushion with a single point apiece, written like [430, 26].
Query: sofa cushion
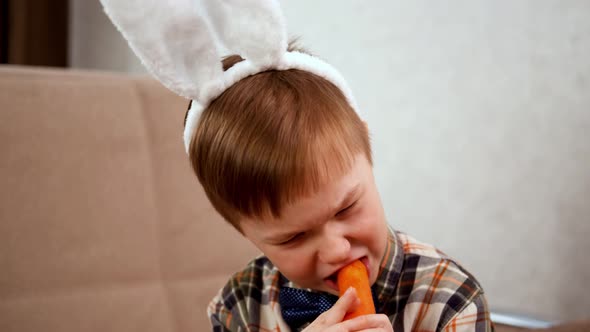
[103, 226]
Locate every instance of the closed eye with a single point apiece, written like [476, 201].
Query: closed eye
[345, 210]
[292, 239]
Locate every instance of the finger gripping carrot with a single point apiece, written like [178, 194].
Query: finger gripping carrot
[355, 275]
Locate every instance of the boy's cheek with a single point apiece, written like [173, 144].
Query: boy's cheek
[292, 263]
[302, 274]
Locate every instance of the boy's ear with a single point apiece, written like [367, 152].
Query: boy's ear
[366, 125]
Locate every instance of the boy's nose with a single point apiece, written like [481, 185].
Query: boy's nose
[334, 250]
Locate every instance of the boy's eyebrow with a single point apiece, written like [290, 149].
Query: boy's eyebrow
[342, 204]
[348, 197]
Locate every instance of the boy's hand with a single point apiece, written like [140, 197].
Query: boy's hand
[331, 320]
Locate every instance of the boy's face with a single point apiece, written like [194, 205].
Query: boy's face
[318, 235]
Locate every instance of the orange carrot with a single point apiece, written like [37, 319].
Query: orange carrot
[355, 275]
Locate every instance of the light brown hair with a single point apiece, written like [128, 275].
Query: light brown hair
[272, 138]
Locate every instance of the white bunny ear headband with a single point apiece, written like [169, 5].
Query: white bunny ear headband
[179, 42]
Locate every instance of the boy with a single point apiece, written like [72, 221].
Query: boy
[275, 140]
[285, 159]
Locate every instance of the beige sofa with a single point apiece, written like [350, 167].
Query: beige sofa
[103, 227]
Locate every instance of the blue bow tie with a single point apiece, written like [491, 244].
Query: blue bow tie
[300, 306]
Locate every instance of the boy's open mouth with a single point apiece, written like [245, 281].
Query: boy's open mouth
[332, 281]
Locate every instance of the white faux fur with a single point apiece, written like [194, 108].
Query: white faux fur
[178, 41]
[172, 41]
[254, 29]
[192, 119]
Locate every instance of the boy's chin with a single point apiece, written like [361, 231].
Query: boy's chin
[327, 287]
[333, 292]
[330, 286]
[327, 290]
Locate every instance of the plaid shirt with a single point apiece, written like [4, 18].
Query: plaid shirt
[419, 288]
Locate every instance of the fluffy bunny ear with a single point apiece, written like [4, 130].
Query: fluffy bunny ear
[172, 40]
[253, 29]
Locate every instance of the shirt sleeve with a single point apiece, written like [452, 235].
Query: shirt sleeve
[475, 317]
[219, 316]
[246, 302]
[216, 324]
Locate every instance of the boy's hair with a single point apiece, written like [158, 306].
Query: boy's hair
[272, 138]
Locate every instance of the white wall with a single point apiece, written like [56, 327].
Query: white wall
[480, 116]
[94, 41]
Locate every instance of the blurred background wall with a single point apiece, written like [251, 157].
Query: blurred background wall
[480, 119]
